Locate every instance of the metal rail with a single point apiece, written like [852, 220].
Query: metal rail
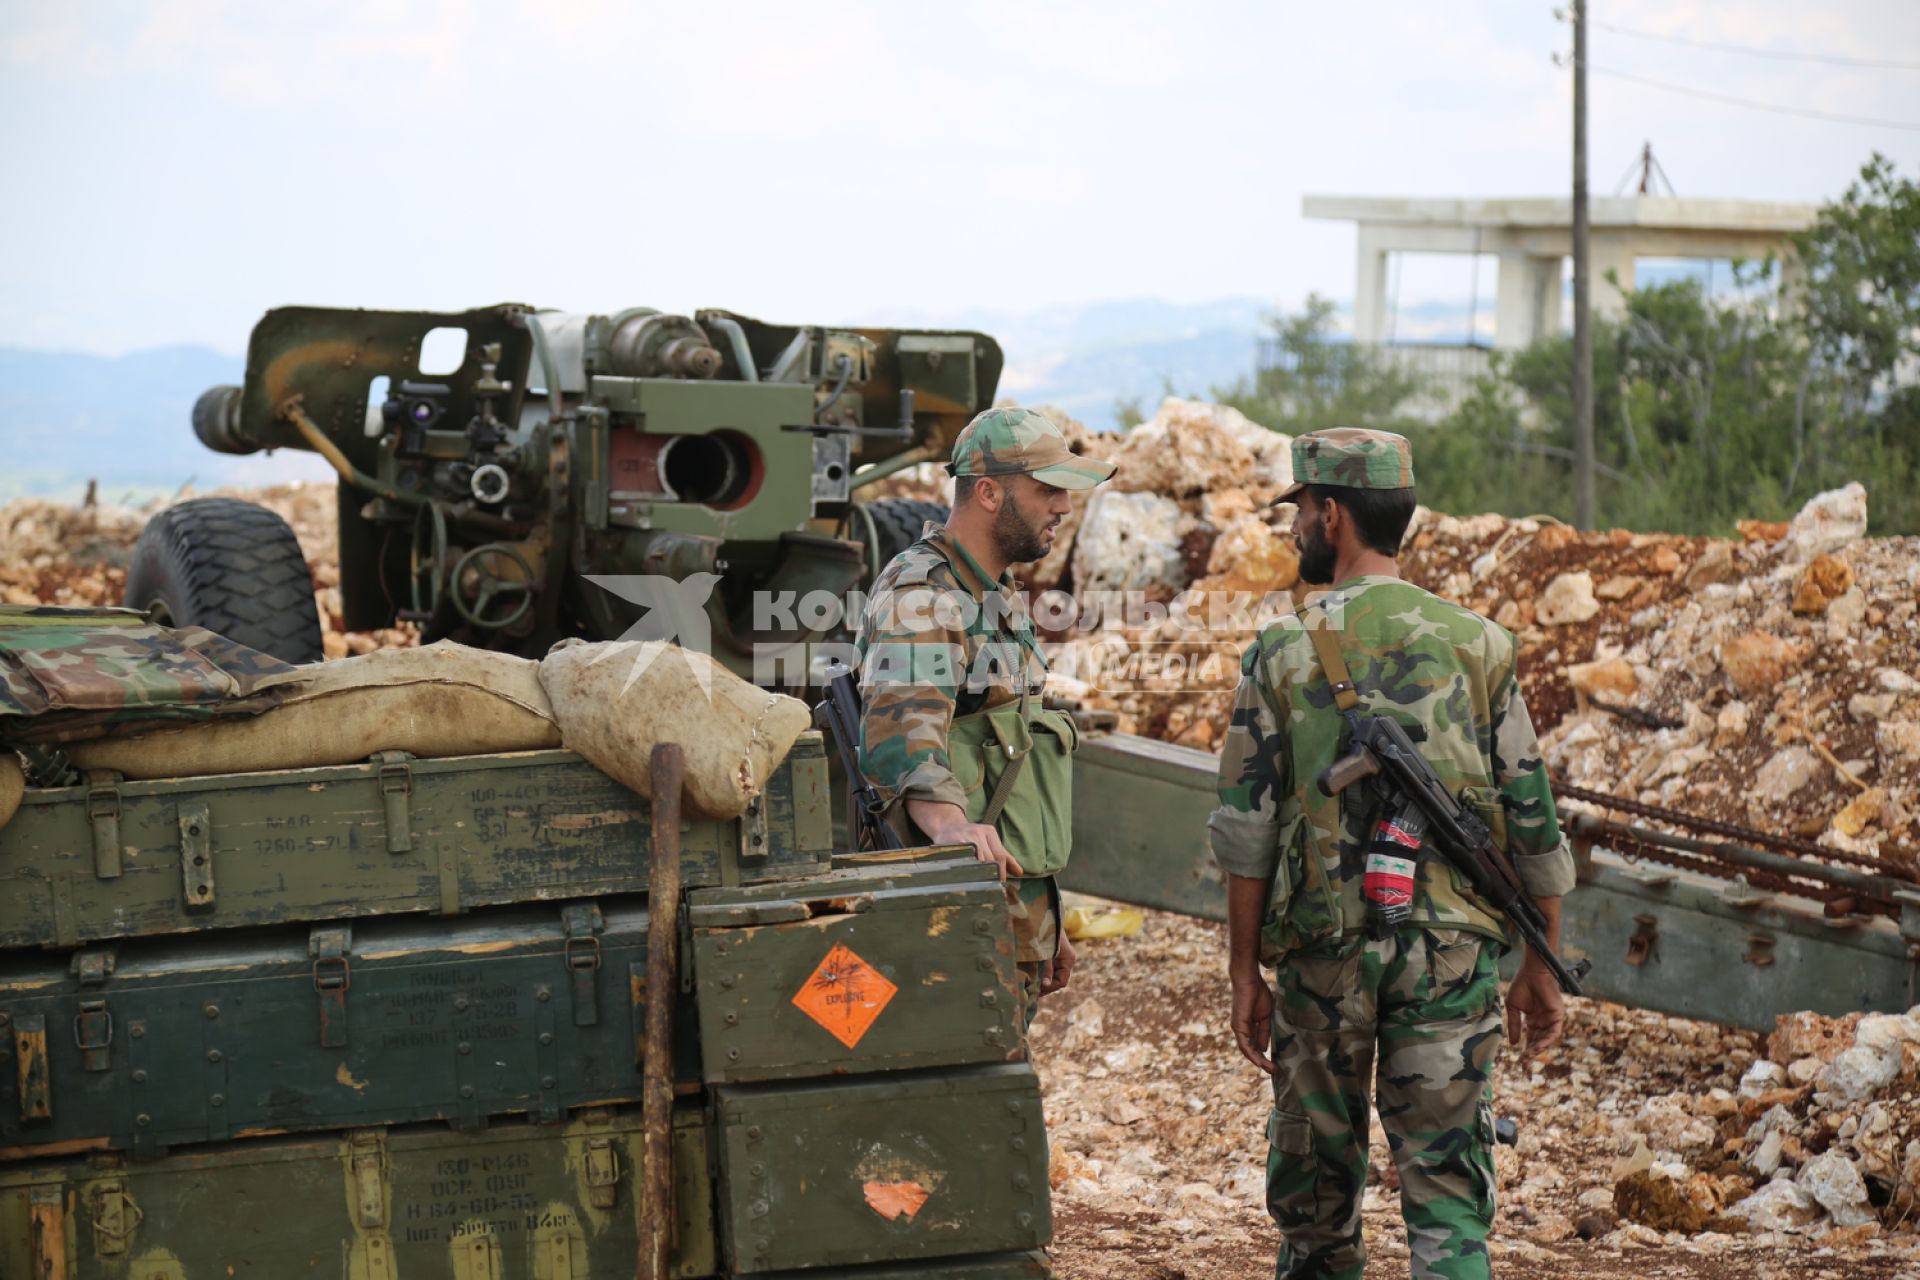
[1693, 941]
[1739, 835]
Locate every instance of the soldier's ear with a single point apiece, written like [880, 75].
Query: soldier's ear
[988, 491]
[1335, 520]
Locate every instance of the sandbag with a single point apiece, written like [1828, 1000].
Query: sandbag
[615, 700]
[441, 700]
[13, 786]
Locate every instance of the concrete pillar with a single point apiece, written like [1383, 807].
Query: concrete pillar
[1514, 313]
[1545, 279]
[1370, 287]
[1611, 253]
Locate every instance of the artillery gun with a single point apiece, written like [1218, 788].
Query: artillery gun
[480, 496]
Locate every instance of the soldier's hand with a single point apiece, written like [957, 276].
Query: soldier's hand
[1535, 1009]
[947, 824]
[1060, 968]
[1253, 1019]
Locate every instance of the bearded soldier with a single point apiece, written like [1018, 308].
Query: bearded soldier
[953, 728]
[1380, 961]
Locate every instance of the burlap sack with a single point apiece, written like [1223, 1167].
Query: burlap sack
[616, 700]
[441, 700]
[13, 785]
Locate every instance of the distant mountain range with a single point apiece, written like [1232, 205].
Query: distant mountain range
[67, 417]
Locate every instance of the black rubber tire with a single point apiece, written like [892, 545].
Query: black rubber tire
[231, 567]
[897, 523]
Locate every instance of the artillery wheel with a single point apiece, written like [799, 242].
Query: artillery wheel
[897, 523]
[231, 567]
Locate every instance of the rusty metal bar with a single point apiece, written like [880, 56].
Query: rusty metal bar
[667, 775]
[1758, 859]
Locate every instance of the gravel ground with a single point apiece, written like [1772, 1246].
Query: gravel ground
[1158, 1154]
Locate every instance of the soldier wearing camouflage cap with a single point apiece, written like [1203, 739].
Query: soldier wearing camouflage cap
[1420, 999]
[953, 729]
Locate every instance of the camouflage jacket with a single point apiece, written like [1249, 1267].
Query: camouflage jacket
[1449, 677]
[939, 639]
[71, 674]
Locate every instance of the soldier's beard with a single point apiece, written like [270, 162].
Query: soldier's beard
[1316, 557]
[1015, 536]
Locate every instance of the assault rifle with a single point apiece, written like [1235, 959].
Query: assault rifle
[1380, 749]
[839, 714]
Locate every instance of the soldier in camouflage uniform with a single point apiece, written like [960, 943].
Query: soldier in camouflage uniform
[1424, 1000]
[953, 729]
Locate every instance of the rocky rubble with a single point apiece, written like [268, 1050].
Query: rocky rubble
[55, 553]
[1771, 680]
[1636, 1134]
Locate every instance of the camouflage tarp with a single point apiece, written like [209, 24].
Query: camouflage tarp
[71, 674]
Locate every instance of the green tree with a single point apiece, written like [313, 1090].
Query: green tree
[1707, 411]
[1312, 382]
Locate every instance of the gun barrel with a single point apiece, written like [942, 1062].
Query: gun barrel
[216, 420]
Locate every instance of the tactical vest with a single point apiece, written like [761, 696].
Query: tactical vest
[1015, 762]
[1317, 886]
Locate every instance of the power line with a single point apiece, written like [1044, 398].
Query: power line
[1911, 126]
[1835, 59]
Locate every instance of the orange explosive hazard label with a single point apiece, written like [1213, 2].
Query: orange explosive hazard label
[844, 994]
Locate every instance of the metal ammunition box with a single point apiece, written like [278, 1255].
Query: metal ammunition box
[888, 1168]
[885, 1172]
[517, 1010]
[115, 859]
[871, 968]
[390, 1020]
[519, 1200]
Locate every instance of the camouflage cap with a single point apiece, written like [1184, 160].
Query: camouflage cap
[1003, 442]
[1351, 458]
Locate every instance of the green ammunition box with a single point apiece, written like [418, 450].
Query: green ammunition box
[527, 1010]
[885, 1169]
[553, 1203]
[116, 859]
[877, 967]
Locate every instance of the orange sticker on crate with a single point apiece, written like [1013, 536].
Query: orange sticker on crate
[895, 1199]
[844, 995]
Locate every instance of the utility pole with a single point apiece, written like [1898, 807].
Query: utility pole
[1582, 287]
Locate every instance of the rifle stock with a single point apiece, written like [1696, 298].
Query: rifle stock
[839, 714]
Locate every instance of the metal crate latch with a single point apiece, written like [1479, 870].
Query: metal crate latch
[196, 856]
[603, 1173]
[93, 1035]
[367, 1155]
[93, 1025]
[30, 1066]
[583, 924]
[396, 787]
[103, 812]
[755, 844]
[115, 1217]
[332, 979]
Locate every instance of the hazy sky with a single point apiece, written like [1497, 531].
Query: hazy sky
[174, 168]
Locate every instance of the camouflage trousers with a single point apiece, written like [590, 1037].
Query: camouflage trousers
[1033, 902]
[1426, 1002]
